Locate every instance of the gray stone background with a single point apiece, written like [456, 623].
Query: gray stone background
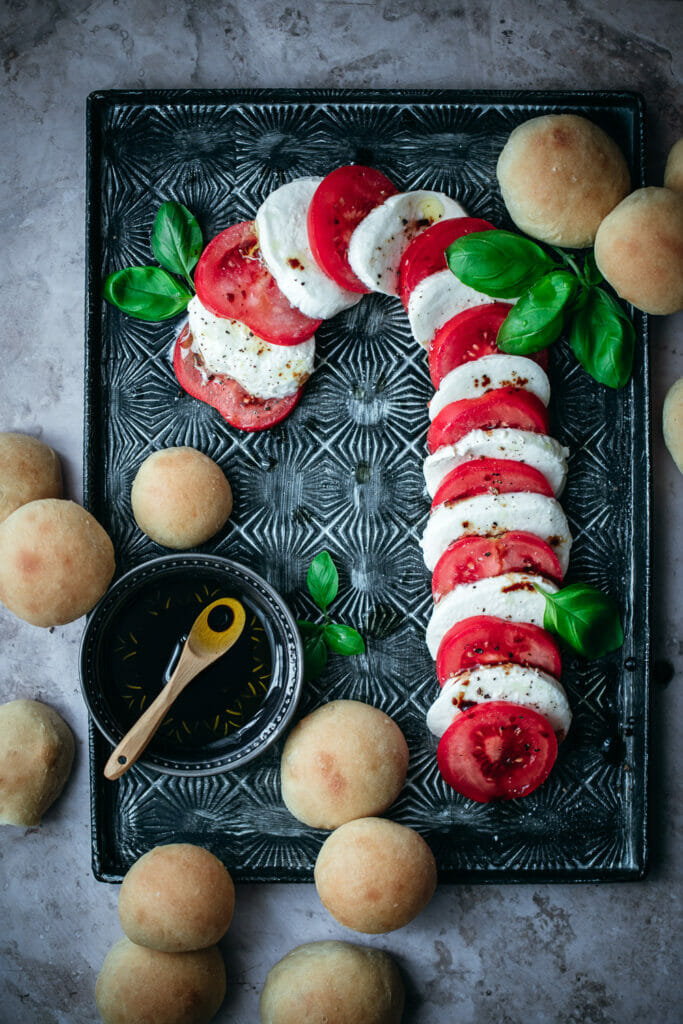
[489, 954]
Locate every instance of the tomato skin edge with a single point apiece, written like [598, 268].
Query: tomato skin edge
[488, 640]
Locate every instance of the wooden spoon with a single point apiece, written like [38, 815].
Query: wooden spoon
[203, 646]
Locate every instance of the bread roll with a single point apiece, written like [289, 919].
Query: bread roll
[36, 754]
[176, 898]
[374, 875]
[673, 173]
[180, 498]
[29, 470]
[145, 986]
[672, 416]
[560, 175]
[333, 981]
[639, 250]
[346, 760]
[56, 562]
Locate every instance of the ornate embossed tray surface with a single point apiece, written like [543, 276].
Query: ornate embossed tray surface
[344, 472]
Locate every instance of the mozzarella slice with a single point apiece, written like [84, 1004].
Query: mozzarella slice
[378, 242]
[544, 453]
[283, 238]
[510, 596]
[437, 299]
[230, 347]
[526, 686]
[476, 377]
[492, 514]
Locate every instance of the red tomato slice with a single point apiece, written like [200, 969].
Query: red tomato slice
[235, 405]
[474, 558]
[470, 335]
[497, 751]
[487, 640]
[490, 476]
[233, 281]
[426, 254]
[341, 201]
[503, 407]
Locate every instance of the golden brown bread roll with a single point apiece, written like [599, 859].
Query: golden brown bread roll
[36, 754]
[560, 175]
[180, 497]
[673, 173]
[176, 898]
[639, 250]
[346, 760]
[672, 417]
[374, 875]
[29, 469]
[56, 562]
[335, 982]
[145, 986]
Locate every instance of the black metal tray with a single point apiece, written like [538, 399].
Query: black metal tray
[344, 472]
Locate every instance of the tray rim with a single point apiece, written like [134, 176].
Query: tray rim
[99, 100]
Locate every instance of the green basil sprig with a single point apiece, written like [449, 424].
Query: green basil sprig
[499, 263]
[584, 618]
[538, 318]
[322, 581]
[603, 339]
[152, 293]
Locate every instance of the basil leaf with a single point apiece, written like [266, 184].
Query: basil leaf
[176, 238]
[146, 293]
[499, 263]
[538, 318]
[323, 580]
[309, 628]
[592, 275]
[603, 339]
[343, 639]
[315, 656]
[585, 618]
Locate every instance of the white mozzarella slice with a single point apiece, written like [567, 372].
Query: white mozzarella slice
[510, 596]
[490, 515]
[476, 377]
[380, 239]
[528, 687]
[437, 299]
[544, 453]
[231, 348]
[283, 239]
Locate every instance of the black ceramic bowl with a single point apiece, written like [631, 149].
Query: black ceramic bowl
[234, 709]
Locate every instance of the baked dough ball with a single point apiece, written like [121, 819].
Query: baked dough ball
[346, 760]
[36, 754]
[560, 175]
[673, 173]
[672, 417]
[29, 470]
[56, 562]
[639, 250]
[180, 497]
[374, 875]
[333, 981]
[176, 898]
[145, 986]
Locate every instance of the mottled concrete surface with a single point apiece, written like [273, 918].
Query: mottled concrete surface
[490, 955]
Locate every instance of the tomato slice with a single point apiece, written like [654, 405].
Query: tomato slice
[488, 640]
[426, 254]
[473, 558]
[504, 407]
[470, 335]
[232, 280]
[490, 476]
[341, 201]
[497, 751]
[235, 405]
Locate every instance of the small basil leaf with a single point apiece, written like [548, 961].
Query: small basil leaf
[315, 656]
[603, 339]
[309, 628]
[343, 639]
[499, 263]
[146, 293]
[591, 273]
[538, 318]
[176, 238]
[585, 618]
[323, 580]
